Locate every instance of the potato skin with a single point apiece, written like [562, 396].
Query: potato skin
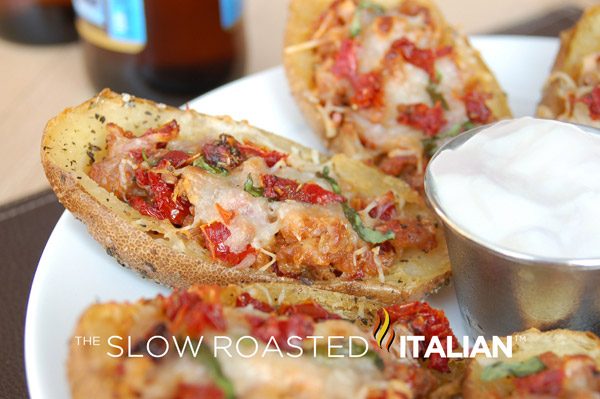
[91, 372]
[78, 134]
[530, 343]
[299, 66]
[576, 43]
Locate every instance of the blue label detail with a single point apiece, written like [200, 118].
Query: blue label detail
[90, 10]
[126, 21]
[231, 11]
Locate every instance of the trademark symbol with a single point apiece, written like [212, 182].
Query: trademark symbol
[520, 338]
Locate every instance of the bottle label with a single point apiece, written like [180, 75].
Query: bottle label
[117, 25]
[231, 11]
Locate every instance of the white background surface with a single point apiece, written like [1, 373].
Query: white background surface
[74, 270]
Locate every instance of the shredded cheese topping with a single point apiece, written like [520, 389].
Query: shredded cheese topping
[378, 264]
[269, 263]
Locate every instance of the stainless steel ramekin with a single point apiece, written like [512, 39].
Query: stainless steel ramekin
[501, 291]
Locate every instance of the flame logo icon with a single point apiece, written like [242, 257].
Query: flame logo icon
[381, 330]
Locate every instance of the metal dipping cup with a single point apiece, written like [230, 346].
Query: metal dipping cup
[501, 292]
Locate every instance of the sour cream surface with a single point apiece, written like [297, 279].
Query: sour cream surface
[526, 185]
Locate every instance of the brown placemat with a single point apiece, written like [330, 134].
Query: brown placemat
[25, 226]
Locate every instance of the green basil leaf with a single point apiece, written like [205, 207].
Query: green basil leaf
[367, 234]
[250, 189]
[200, 162]
[355, 24]
[335, 187]
[370, 5]
[436, 96]
[148, 160]
[468, 125]
[517, 369]
[214, 370]
[431, 144]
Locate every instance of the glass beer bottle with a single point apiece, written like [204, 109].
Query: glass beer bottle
[164, 50]
[37, 21]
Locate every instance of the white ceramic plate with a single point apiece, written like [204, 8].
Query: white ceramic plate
[74, 270]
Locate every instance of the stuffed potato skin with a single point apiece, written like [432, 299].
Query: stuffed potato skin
[553, 364]
[386, 81]
[572, 91]
[268, 313]
[77, 138]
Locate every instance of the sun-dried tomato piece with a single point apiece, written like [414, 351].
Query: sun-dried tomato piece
[425, 321]
[429, 120]
[592, 100]
[311, 309]
[188, 310]
[159, 203]
[281, 189]
[246, 299]
[477, 109]
[215, 234]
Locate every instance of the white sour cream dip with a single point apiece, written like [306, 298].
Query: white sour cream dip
[526, 185]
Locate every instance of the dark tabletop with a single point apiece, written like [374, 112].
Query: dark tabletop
[25, 226]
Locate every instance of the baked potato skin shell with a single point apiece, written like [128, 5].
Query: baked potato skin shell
[302, 16]
[527, 344]
[127, 236]
[91, 372]
[576, 43]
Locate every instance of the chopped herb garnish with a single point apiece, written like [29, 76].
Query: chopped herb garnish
[214, 370]
[371, 5]
[430, 145]
[355, 25]
[436, 96]
[250, 189]
[335, 187]
[148, 160]
[519, 369]
[365, 233]
[200, 162]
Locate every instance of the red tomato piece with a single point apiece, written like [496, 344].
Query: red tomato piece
[281, 189]
[592, 100]
[547, 382]
[197, 391]
[310, 309]
[477, 110]
[345, 64]
[246, 299]
[281, 329]
[176, 158]
[215, 235]
[367, 86]
[270, 157]
[159, 203]
[423, 320]
[421, 58]
[429, 120]
[187, 309]
[385, 208]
